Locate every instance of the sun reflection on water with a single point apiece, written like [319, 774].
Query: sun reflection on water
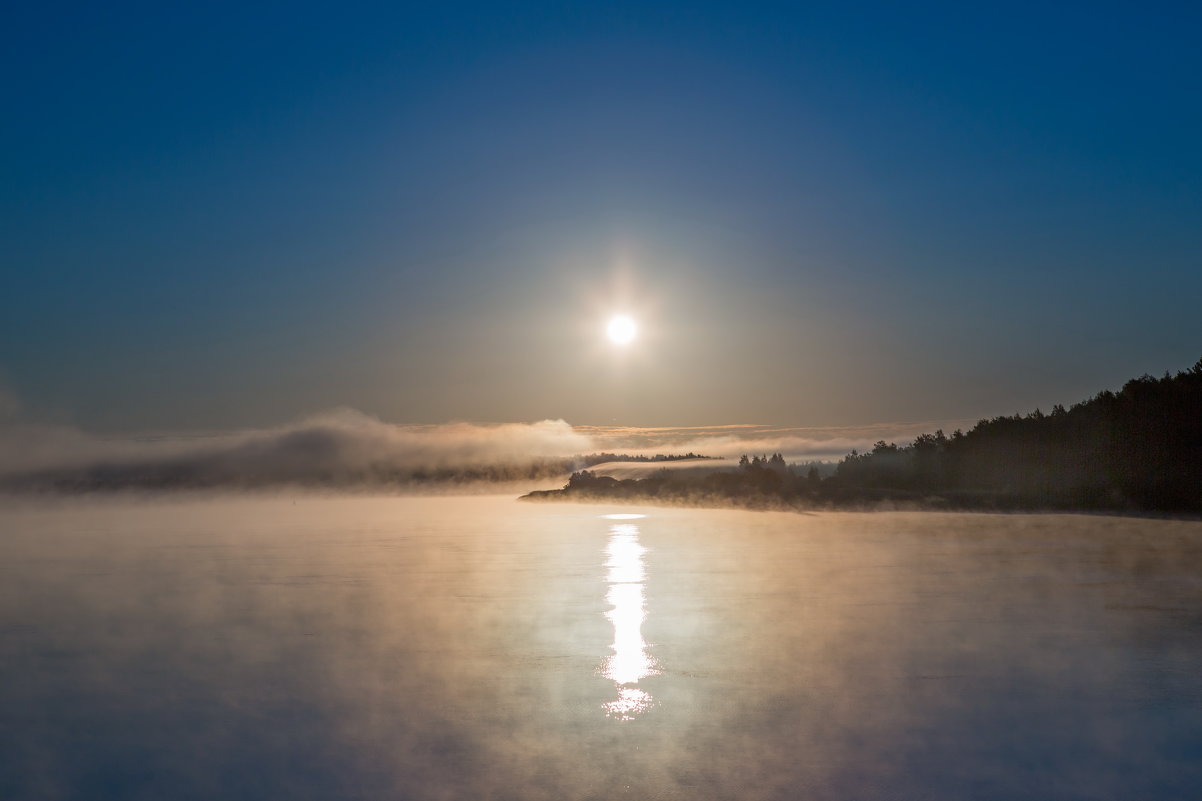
[630, 661]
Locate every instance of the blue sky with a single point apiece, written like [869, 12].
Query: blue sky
[222, 216]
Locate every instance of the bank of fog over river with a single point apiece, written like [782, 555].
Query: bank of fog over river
[255, 647]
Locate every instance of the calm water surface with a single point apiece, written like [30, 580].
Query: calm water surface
[480, 648]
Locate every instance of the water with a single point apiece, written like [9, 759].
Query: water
[479, 648]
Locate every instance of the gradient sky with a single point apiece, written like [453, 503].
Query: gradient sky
[222, 216]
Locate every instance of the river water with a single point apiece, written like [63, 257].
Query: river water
[481, 648]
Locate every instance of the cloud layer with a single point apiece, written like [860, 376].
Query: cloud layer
[340, 448]
[797, 444]
[347, 449]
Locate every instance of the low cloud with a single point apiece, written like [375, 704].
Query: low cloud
[340, 448]
[348, 449]
[796, 444]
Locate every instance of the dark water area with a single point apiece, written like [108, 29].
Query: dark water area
[475, 647]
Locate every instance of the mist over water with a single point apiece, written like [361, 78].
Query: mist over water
[346, 450]
[343, 449]
[473, 647]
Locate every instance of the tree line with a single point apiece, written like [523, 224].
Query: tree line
[1139, 448]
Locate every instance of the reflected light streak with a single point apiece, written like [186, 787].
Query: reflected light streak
[630, 661]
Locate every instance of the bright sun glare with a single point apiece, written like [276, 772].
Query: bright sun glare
[621, 330]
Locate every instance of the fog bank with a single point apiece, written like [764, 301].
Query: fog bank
[345, 448]
[339, 448]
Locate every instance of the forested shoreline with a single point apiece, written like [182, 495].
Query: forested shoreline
[1135, 450]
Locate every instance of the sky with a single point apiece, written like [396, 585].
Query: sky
[223, 216]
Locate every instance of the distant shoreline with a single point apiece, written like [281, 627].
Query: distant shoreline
[1135, 451]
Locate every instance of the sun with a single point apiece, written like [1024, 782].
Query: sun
[621, 330]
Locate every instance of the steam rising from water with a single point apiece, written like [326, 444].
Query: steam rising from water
[432, 648]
